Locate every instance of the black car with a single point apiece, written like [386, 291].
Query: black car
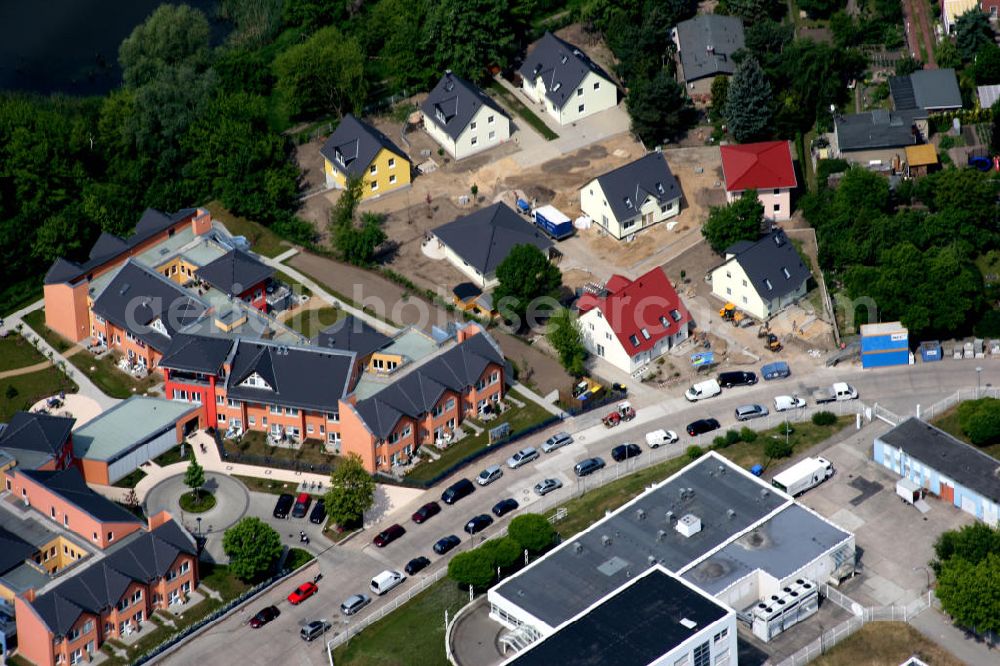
[479, 523]
[416, 565]
[445, 544]
[737, 378]
[503, 507]
[457, 491]
[318, 514]
[265, 615]
[426, 512]
[625, 451]
[283, 505]
[588, 466]
[702, 426]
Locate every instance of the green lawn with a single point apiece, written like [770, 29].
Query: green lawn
[519, 419]
[419, 625]
[26, 390]
[254, 443]
[886, 643]
[217, 577]
[16, 352]
[199, 503]
[262, 240]
[520, 109]
[296, 286]
[310, 322]
[948, 421]
[267, 485]
[297, 557]
[173, 455]
[130, 479]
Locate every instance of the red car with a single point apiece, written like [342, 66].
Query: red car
[426, 511]
[389, 535]
[302, 592]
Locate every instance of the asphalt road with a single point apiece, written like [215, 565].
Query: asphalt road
[347, 568]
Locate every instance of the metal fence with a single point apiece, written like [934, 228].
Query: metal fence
[943, 405]
[268, 461]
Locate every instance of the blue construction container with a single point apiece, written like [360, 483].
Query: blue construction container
[884, 345]
[930, 351]
[553, 222]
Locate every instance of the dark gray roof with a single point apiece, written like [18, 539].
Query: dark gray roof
[101, 585]
[707, 44]
[772, 264]
[352, 334]
[137, 296]
[562, 66]
[303, 377]
[628, 186]
[877, 129]
[929, 89]
[69, 484]
[951, 457]
[13, 551]
[484, 238]
[196, 353]
[635, 627]
[108, 245]
[43, 433]
[454, 102]
[416, 394]
[235, 272]
[587, 567]
[354, 144]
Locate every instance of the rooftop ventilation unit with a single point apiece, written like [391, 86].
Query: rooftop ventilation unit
[688, 525]
[660, 535]
[605, 540]
[669, 516]
[730, 513]
[722, 469]
[651, 560]
[577, 547]
[688, 624]
[640, 514]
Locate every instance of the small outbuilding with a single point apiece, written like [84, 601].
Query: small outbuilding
[884, 345]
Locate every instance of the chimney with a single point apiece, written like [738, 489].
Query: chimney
[201, 223]
[158, 519]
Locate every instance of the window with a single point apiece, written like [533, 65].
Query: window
[493, 136]
[111, 536]
[94, 537]
[291, 411]
[600, 350]
[490, 120]
[252, 420]
[744, 283]
[474, 140]
[579, 92]
[392, 162]
[52, 512]
[232, 403]
[374, 185]
[472, 125]
[373, 169]
[333, 416]
[775, 191]
[702, 656]
[450, 405]
[729, 291]
[180, 394]
[222, 418]
[185, 567]
[777, 207]
[628, 224]
[274, 409]
[579, 109]
[65, 520]
[220, 399]
[99, 319]
[310, 429]
[745, 301]
[719, 636]
[137, 597]
[607, 336]
[392, 179]
[263, 420]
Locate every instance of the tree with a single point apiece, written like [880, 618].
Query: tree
[995, 135]
[748, 104]
[821, 8]
[737, 221]
[777, 448]
[352, 491]
[525, 276]
[908, 65]
[194, 477]
[472, 569]
[824, 418]
[659, 108]
[751, 11]
[532, 532]
[342, 213]
[565, 335]
[947, 55]
[357, 244]
[468, 36]
[720, 92]
[970, 592]
[987, 66]
[253, 547]
[970, 542]
[173, 37]
[11, 392]
[972, 33]
[980, 420]
[325, 74]
[502, 553]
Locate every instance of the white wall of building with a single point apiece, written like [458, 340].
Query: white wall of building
[720, 637]
[601, 341]
[130, 462]
[777, 203]
[594, 94]
[487, 129]
[730, 283]
[594, 203]
[485, 282]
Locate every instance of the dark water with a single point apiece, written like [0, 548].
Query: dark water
[71, 46]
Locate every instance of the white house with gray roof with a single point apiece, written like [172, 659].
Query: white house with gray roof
[705, 48]
[762, 277]
[633, 197]
[565, 82]
[462, 118]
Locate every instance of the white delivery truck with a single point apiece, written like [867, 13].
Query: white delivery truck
[803, 475]
[837, 392]
[702, 390]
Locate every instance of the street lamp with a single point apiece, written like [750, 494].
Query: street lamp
[199, 526]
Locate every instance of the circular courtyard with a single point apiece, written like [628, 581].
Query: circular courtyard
[231, 502]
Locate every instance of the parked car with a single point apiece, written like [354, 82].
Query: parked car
[782, 403]
[479, 523]
[775, 370]
[388, 535]
[354, 603]
[318, 514]
[660, 437]
[416, 565]
[489, 475]
[301, 507]
[588, 466]
[522, 457]
[747, 412]
[547, 486]
[283, 505]
[505, 506]
[556, 441]
[703, 390]
[426, 512]
[457, 491]
[737, 378]
[625, 451]
[385, 581]
[701, 426]
[313, 630]
[445, 544]
[302, 592]
[263, 616]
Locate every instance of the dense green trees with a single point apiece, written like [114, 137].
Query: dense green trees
[967, 565]
[470, 35]
[748, 102]
[972, 33]
[980, 420]
[566, 337]
[528, 283]
[740, 220]
[659, 108]
[253, 547]
[351, 493]
[355, 242]
[323, 75]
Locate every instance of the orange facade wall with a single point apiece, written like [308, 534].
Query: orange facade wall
[94, 471]
[34, 640]
[67, 310]
[133, 349]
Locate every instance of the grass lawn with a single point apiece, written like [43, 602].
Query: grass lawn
[296, 286]
[948, 421]
[419, 625]
[199, 503]
[520, 109]
[217, 577]
[173, 455]
[297, 557]
[254, 443]
[267, 485]
[129, 480]
[16, 352]
[26, 390]
[262, 240]
[102, 371]
[519, 419]
[310, 322]
[886, 643]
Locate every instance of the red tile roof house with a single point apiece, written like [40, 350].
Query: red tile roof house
[111, 597]
[633, 322]
[766, 167]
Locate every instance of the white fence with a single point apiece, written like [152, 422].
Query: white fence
[945, 404]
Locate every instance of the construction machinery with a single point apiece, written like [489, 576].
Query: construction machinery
[772, 343]
[729, 313]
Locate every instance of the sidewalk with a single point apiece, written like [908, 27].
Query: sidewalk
[935, 626]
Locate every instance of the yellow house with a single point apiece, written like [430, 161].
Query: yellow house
[358, 149]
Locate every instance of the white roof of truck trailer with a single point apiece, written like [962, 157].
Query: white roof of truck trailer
[799, 470]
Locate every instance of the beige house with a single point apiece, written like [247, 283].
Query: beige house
[562, 79]
[762, 277]
[462, 118]
[765, 167]
[632, 197]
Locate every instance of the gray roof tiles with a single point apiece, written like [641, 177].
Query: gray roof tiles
[877, 129]
[562, 66]
[352, 334]
[196, 353]
[454, 102]
[354, 144]
[484, 238]
[772, 264]
[707, 44]
[628, 186]
[13, 551]
[235, 272]
[927, 89]
[42, 433]
[69, 484]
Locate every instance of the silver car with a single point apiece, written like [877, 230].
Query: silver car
[556, 441]
[522, 457]
[547, 486]
[747, 412]
[354, 603]
[489, 475]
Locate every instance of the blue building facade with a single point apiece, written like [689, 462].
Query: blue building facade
[884, 345]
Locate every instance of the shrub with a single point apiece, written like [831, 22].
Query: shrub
[748, 435]
[719, 442]
[777, 448]
[503, 552]
[732, 437]
[472, 568]
[694, 452]
[824, 418]
[980, 420]
[531, 531]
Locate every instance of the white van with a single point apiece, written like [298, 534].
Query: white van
[385, 581]
[660, 437]
[702, 390]
[783, 403]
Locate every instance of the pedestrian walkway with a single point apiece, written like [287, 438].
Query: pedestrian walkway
[287, 254]
[539, 400]
[27, 370]
[938, 628]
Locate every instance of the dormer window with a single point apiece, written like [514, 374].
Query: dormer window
[256, 381]
[157, 325]
[564, 59]
[663, 321]
[340, 156]
[628, 203]
[645, 333]
[659, 188]
[675, 315]
[788, 275]
[634, 340]
[767, 283]
[556, 87]
[440, 115]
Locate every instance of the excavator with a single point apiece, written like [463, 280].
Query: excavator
[771, 341]
[729, 313]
